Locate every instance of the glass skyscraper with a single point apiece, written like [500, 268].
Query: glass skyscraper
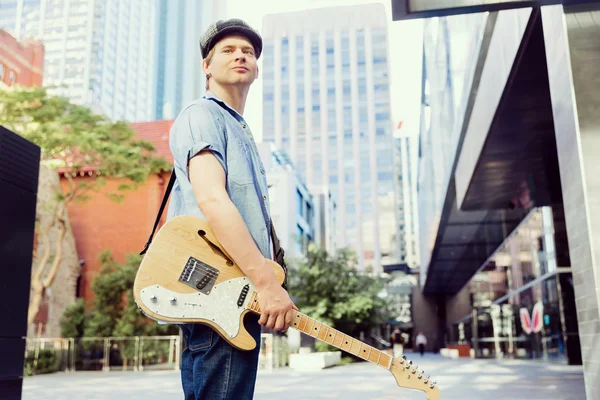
[326, 102]
[179, 76]
[100, 51]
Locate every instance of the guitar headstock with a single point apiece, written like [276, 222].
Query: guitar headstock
[409, 376]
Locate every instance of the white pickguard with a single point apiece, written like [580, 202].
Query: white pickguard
[220, 306]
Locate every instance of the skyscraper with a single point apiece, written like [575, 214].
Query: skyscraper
[100, 50]
[406, 160]
[179, 76]
[326, 102]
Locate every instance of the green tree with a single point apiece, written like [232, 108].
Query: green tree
[72, 322]
[75, 140]
[329, 289]
[114, 312]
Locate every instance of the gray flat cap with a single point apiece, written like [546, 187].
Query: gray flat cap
[220, 29]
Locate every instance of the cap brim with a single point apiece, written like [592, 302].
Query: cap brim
[254, 38]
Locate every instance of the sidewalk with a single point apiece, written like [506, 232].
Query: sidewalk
[457, 379]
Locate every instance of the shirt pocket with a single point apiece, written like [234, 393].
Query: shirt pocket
[238, 164]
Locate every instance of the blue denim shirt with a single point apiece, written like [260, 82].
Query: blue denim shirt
[210, 124]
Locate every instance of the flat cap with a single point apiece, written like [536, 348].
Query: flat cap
[220, 29]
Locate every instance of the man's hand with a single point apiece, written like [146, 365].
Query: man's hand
[276, 307]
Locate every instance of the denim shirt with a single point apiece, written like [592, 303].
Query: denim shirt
[210, 124]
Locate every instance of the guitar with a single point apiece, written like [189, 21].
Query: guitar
[187, 276]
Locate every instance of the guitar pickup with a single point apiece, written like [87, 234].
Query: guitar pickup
[243, 295]
[199, 275]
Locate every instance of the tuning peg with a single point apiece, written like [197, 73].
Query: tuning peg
[425, 381]
[419, 376]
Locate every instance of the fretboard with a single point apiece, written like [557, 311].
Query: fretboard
[332, 336]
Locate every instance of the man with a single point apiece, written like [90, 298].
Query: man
[397, 342]
[421, 342]
[221, 178]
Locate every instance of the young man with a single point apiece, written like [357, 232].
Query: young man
[221, 178]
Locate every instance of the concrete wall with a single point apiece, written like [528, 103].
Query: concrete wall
[573, 54]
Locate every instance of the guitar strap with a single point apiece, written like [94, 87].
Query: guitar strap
[279, 252]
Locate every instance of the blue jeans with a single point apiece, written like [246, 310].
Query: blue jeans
[212, 369]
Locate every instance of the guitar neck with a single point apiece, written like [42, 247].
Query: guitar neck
[333, 337]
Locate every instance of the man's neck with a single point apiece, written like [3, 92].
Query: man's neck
[235, 96]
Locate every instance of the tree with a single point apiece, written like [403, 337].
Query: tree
[75, 141]
[113, 311]
[329, 289]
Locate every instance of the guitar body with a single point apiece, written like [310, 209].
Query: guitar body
[165, 287]
[186, 276]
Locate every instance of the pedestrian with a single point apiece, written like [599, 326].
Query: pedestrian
[221, 178]
[397, 342]
[421, 342]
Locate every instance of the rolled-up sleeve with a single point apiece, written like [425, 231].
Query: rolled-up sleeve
[196, 129]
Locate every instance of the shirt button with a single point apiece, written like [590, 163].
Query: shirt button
[264, 197]
[244, 126]
[262, 171]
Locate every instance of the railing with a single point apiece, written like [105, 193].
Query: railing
[136, 353]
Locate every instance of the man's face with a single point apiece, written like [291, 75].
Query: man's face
[233, 62]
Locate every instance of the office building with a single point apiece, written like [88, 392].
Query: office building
[98, 53]
[326, 103]
[406, 146]
[179, 77]
[508, 183]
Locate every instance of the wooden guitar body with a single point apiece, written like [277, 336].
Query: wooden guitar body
[186, 276]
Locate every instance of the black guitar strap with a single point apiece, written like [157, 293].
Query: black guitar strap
[160, 210]
[279, 252]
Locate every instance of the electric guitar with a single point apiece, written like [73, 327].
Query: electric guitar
[187, 276]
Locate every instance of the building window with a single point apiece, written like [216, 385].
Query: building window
[300, 203]
[308, 213]
[1, 72]
[11, 77]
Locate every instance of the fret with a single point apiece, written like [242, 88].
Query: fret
[346, 342]
[364, 351]
[331, 336]
[296, 320]
[378, 358]
[339, 337]
[308, 326]
[385, 361]
[355, 347]
[323, 333]
[314, 332]
[303, 322]
[374, 355]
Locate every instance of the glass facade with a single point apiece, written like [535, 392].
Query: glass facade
[97, 52]
[316, 90]
[522, 274]
[448, 70]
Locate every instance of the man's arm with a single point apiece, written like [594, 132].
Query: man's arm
[208, 181]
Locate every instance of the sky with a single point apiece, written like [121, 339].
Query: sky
[405, 55]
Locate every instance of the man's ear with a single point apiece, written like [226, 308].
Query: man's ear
[256, 77]
[205, 67]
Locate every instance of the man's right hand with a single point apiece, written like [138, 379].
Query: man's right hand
[276, 307]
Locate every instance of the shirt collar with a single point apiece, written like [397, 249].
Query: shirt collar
[211, 96]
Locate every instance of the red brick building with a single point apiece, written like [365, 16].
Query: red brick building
[21, 63]
[100, 224]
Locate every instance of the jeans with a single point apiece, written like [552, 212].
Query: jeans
[212, 369]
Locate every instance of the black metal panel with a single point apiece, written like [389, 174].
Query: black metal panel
[11, 389]
[411, 9]
[19, 169]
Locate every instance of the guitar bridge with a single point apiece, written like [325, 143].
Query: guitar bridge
[199, 275]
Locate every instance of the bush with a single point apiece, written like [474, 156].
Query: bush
[47, 363]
